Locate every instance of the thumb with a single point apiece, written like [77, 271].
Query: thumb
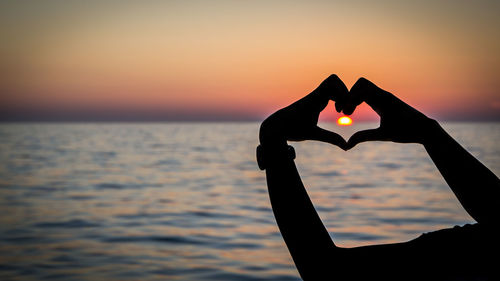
[366, 135]
[323, 135]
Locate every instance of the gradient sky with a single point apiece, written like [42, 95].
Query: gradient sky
[241, 60]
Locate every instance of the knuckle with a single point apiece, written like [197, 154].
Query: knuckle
[363, 80]
[333, 76]
[361, 83]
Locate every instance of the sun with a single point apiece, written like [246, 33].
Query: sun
[344, 121]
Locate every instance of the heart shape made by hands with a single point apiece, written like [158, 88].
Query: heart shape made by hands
[399, 122]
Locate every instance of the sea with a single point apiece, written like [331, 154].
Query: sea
[186, 201]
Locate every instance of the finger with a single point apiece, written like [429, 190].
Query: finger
[323, 135]
[339, 105]
[366, 135]
[364, 90]
[332, 88]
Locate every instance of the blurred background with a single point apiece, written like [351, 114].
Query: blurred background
[128, 129]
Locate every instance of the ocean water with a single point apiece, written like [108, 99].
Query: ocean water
[186, 201]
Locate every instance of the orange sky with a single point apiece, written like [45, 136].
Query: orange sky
[234, 60]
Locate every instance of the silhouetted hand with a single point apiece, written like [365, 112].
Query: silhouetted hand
[399, 122]
[298, 121]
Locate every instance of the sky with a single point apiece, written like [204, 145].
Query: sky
[242, 60]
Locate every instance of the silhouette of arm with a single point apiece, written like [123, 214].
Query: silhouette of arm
[475, 186]
[308, 241]
[305, 235]
[313, 251]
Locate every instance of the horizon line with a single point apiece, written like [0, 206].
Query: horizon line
[235, 120]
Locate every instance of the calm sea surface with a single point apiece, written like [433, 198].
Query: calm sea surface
[186, 201]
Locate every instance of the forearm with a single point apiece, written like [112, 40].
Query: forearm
[302, 229]
[475, 186]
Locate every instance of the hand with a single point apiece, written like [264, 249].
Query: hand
[298, 121]
[399, 122]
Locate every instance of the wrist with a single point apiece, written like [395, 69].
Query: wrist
[433, 132]
[271, 156]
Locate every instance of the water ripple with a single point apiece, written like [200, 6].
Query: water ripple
[163, 239]
[186, 201]
[75, 223]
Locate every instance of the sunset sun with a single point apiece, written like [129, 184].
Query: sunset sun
[344, 121]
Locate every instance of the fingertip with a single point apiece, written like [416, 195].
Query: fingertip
[349, 146]
[338, 106]
[348, 109]
[333, 76]
[323, 135]
[363, 80]
[343, 147]
[352, 141]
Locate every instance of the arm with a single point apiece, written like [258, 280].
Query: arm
[308, 241]
[305, 235]
[475, 186]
